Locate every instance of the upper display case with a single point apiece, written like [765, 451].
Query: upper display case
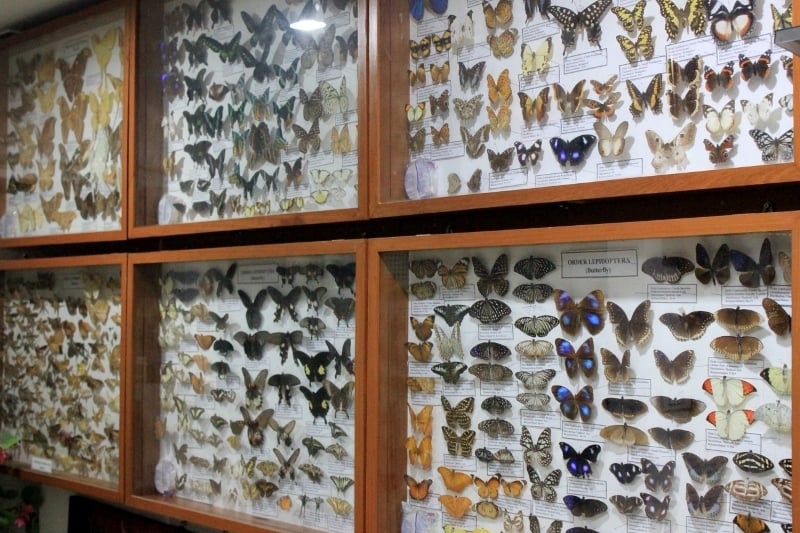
[245, 412]
[63, 120]
[634, 383]
[513, 103]
[61, 369]
[243, 120]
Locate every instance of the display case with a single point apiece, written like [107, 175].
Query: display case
[63, 125]
[629, 377]
[245, 410]
[514, 103]
[243, 121]
[61, 371]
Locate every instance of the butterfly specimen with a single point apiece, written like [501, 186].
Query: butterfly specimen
[588, 18]
[459, 444]
[534, 108]
[500, 162]
[604, 109]
[674, 439]
[633, 18]
[650, 98]
[758, 112]
[499, 122]
[680, 410]
[758, 69]
[489, 310]
[530, 155]
[573, 405]
[615, 369]
[714, 271]
[722, 121]
[728, 391]
[72, 73]
[688, 103]
[502, 45]
[776, 415]
[624, 435]
[537, 60]
[668, 269]
[419, 453]
[693, 16]
[456, 506]
[636, 330]
[417, 490]
[569, 103]
[580, 506]
[643, 46]
[774, 148]
[752, 273]
[253, 307]
[750, 490]
[500, 90]
[752, 462]
[315, 367]
[318, 402]
[439, 73]
[675, 370]
[626, 408]
[731, 425]
[440, 136]
[490, 351]
[572, 152]
[496, 405]
[544, 489]
[778, 320]
[421, 352]
[589, 312]
[726, 23]
[625, 472]
[467, 109]
[440, 103]
[705, 470]
[451, 314]
[626, 504]
[689, 326]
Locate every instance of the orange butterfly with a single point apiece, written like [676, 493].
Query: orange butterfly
[422, 421]
[513, 488]
[72, 117]
[457, 506]
[454, 480]
[499, 91]
[417, 490]
[489, 489]
[420, 454]
[64, 219]
[72, 75]
[204, 341]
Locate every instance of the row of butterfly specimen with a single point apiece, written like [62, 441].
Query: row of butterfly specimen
[64, 113]
[506, 359]
[518, 91]
[60, 369]
[258, 385]
[260, 118]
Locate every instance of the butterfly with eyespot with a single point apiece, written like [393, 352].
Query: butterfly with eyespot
[673, 152]
[573, 405]
[589, 312]
[440, 103]
[719, 153]
[643, 46]
[583, 358]
[625, 472]
[656, 479]
[774, 148]
[588, 18]
[726, 23]
[633, 18]
[654, 508]
[534, 108]
[537, 60]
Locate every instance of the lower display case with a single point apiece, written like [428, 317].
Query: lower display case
[617, 377]
[245, 411]
[61, 369]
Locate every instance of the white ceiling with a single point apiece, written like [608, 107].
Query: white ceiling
[23, 14]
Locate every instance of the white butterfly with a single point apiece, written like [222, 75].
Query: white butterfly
[722, 121]
[776, 415]
[757, 112]
[538, 60]
[787, 102]
[462, 31]
[449, 345]
[608, 143]
[731, 425]
[674, 152]
[728, 391]
[513, 523]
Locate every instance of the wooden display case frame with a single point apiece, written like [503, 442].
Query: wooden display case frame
[78, 484]
[148, 184]
[144, 290]
[389, 298]
[77, 22]
[389, 31]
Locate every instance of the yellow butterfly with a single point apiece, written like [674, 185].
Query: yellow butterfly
[440, 74]
[340, 506]
[340, 140]
[46, 97]
[538, 60]
[298, 202]
[417, 76]
[534, 108]
[101, 105]
[64, 219]
[30, 218]
[104, 46]
[52, 205]
[72, 118]
[631, 19]
[501, 120]
[643, 45]
[320, 196]
[46, 69]
[499, 91]
[416, 112]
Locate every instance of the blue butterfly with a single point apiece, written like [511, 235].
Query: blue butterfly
[572, 405]
[417, 7]
[572, 152]
[589, 312]
[578, 463]
[583, 358]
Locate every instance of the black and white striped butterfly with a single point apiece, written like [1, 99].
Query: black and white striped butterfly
[774, 148]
